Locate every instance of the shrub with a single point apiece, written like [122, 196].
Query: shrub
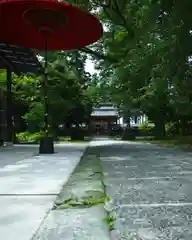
[145, 129]
[171, 129]
[29, 137]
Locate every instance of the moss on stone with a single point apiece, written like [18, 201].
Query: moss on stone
[85, 187]
[90, 199]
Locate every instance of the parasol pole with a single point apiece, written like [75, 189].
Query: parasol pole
[46, 107]
[63, 25]
[9, 108]
[47, 142]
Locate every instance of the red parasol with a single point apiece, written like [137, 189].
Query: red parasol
[28, 23]
[47, 25]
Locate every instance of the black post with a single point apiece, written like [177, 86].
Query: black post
[2, 122]
[46, 107]
[46, 143]
[9, 107]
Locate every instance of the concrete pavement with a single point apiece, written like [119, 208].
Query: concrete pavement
[150, 190]
[30, 184]
[79, 212]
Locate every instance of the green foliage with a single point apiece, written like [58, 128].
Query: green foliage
[143, 63]
[68, 98]
[145, 127]
[171, 129]
[143, 59]
[82, 203]
[36, 112]
[110, 221]
[2, 78]
[29, 137]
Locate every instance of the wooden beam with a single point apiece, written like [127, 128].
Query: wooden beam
[7, 63]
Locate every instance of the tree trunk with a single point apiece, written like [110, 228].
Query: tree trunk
[135, 119]
[160, 129]
[183, 127]
[128, 122]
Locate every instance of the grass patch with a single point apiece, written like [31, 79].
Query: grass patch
[165, 142]
[85, 187]
[82, 203]
[64, 139]
[142, 139]
[184, 142]
[68, 139]
[110, 221]
[93, 202]
[110, 218]
[115, 138]
[174, 141]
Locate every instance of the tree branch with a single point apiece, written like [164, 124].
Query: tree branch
[98, 55]
[99, 2]
[113, 5]
[118, 11]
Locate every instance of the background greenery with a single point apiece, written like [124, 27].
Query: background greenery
[144, 64]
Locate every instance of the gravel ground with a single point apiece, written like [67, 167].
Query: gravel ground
[150, 190]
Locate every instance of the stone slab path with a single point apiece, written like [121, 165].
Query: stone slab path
[74, 224]
[79, 212]
[150, 189]
[29, 185]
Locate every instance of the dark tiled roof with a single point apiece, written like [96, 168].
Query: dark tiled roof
[98, 113]
[105, 111]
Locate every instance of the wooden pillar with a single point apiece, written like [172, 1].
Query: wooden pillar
[2, 117]
[9, 107]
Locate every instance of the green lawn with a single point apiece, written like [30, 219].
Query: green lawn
[68, 139]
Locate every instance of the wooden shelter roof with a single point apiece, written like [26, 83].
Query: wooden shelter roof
[20, 60]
